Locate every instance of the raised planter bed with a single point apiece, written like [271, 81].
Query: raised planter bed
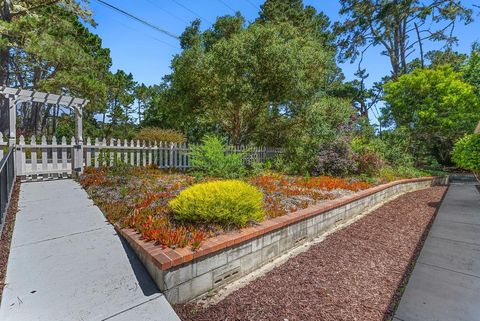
[183, 274]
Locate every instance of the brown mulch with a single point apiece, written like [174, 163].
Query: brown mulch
[355, 274]
[7, 234]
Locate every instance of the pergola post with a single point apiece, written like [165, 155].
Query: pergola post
[78, 148]
[16, 95]
[12, 112]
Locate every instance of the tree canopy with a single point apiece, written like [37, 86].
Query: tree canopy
[250, 81]
[437, 107]
[399, 27]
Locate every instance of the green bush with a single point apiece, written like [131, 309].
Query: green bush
[210, 158]
[231, 203]
[466, 152]
[120, 168]
[313, 145]
[368, 155]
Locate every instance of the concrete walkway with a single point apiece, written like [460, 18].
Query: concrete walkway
[445, 283]
[67, 263]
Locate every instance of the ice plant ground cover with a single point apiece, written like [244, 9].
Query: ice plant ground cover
[138, 198]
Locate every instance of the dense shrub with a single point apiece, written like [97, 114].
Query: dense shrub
[466, 152]
[334, 158]
[232, 203]
[160, 135]
[210, 158]
[368, 162]
[368, 155]
[322, 120]
[395, 146]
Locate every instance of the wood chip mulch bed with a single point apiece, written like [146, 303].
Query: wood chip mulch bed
[356, 273]
[7, 233]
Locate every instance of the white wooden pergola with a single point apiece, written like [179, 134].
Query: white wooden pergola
[17, 95]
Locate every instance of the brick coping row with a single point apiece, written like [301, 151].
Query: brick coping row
[166, 258]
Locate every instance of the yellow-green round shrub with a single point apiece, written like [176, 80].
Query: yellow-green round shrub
[231, 203]
[152, 134]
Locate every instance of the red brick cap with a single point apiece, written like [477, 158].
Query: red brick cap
[166, 258]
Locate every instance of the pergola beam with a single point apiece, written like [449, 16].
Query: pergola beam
[16, 95]
[23, 95]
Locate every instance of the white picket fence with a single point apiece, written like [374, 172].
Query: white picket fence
[53, 158]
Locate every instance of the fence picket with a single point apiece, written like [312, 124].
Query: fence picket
[149, 152]
[20, 155]
[88, 151]
[54, 154]
[33, 151]
[103, 153]
[111, 156]
[132, 154]
[155, 152]
[138, 153]
[117, 152]
[125, 151]
[144, 154]
[64, 153]
[97, 152]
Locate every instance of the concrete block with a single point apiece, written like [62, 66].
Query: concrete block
[155, 273]
[251, 261]
[195, 287]
[274, 237]
[172, 295]
[226, 273]
[178, 275]
[270, 252]
[211, 262]
[286, 244]
[237, 252]
[257, 244]
[311, 231]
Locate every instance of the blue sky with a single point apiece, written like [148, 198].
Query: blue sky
[147, 53]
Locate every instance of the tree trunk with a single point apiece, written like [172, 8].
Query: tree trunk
[420, 45]
[4, 60]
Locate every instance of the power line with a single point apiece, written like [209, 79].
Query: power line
[166, 11]
[226, 5]
[191, 11]
[252, 4]
[139, 19]
[146, 34]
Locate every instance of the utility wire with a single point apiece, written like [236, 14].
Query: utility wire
[139, 19]
[226, 5]
[252, 4]
[167, 12]
[191, 11]
[146, 34]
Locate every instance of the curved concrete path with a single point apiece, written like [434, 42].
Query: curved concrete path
[445, 283]
[68, 263]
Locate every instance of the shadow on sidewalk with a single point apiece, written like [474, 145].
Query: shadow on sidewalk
[144, 280]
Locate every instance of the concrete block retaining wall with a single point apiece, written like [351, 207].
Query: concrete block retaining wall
[183, 274]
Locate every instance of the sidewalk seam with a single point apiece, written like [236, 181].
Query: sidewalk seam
[132, 307]
[447, 239]
[59, 237]
[447, 269]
